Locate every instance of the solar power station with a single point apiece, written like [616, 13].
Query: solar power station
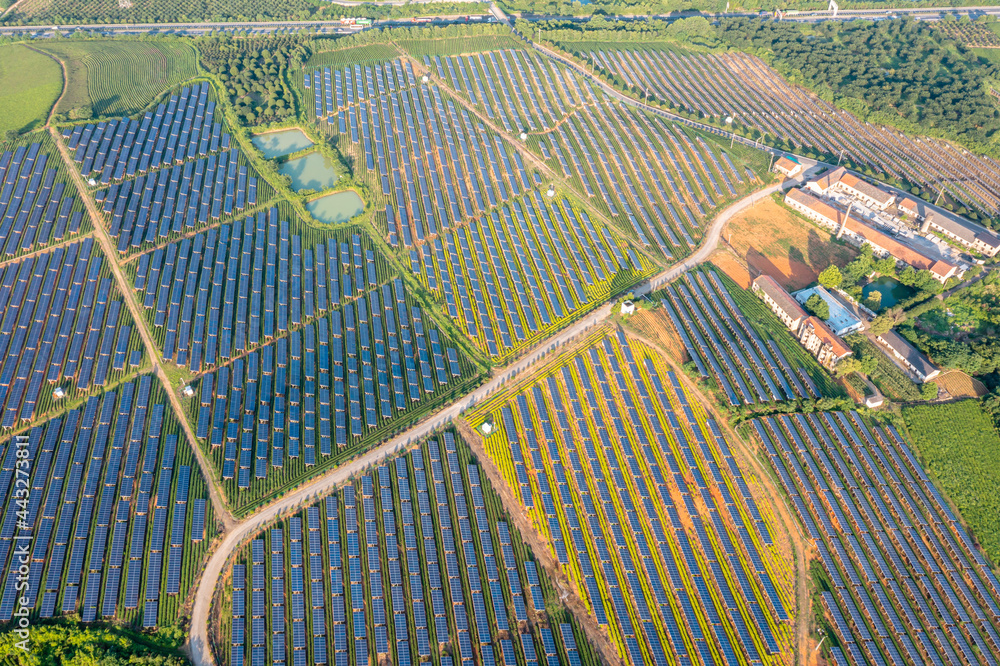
[38, 204]
[724, 345]
[408, 559]
[63, 326]
[743, 86]
[600, 454]
[908, 583]
[109, 480]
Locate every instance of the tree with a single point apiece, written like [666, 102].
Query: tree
[11, 135]
[874, 300]
[847, 366]
[929, 391]
[816, 305]
[885, 321]
[831, 277]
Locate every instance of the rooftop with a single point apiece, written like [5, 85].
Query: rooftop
[823, 332]
[789, 305]
[901, 346]
[841, 319]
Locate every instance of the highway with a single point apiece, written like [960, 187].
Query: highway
[335, 27]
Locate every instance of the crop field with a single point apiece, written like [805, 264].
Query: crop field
[720, 85]
[961, 450]
[120, 78]
[462, 586]
[890, 379]
[109, 481]
[725, 344]
[506, 271]
[971, 35]
[335, 375]
[907, 584]
[31, 82]
[39, 204]
[642, 502]
[170, 172]
[64, 326]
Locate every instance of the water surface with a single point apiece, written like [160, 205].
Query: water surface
[893, 291]
[336, 207]
[278, 144]
[310, 172]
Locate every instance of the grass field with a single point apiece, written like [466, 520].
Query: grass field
[456, 45]
[353, 55]
[120, 78]
[959, 446]
[775, 241]
[30, 83]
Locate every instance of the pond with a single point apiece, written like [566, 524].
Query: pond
[892, 290]
[278, 144]
[310, 172]
[336, 207]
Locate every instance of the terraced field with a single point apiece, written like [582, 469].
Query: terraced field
[744, 87]
[118, 517]
[644, 505]
[906, 583]
[121, 78]
[414, 562]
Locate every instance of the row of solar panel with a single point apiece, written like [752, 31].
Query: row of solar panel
[885, 526]
[59, 322]
[177, 130]
[34, 208]
[555, 264]
[277, 404]
[111, 458]
[719, 334]
[172, 201]
[629, 409]
[407, 596]
[231, 288]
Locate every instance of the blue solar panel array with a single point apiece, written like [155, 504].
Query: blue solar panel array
[230, 289]
[182, 128]
[722, 342]
[525, 268]
[36, 207]
[60, 322]
[616, 437]
[908, 583]
[322, 387]
[99, 482]
[176, 200]
[406, 598]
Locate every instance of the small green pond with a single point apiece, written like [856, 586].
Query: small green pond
[279, 144]
[310, 172]
[893, 291]
[336, 207]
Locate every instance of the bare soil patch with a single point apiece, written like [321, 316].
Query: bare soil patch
[774, 241]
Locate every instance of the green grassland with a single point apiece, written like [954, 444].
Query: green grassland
[115, 77]
[959, 446]
[31, 83]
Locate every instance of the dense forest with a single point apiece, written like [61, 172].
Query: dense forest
[902, 70]
[253, 71]
[74, 645]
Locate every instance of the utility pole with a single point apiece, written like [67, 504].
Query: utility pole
[840, 159]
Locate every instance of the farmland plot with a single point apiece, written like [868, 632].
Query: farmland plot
[907, 584]
[118, 520]
[414, 562]
[608, 454]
